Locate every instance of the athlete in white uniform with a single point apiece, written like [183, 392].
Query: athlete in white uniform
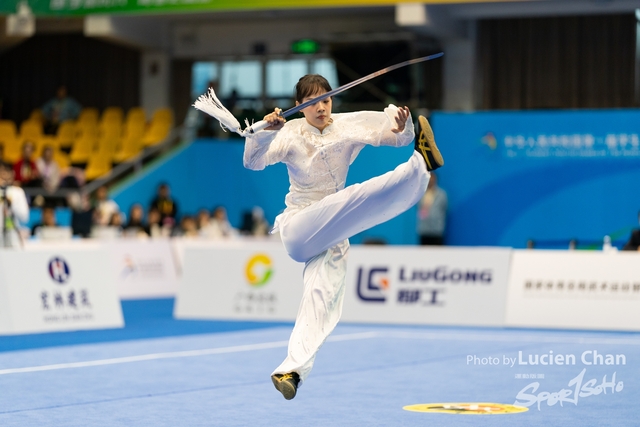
[322, 214]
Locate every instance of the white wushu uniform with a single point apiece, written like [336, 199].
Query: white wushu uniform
[322, 214]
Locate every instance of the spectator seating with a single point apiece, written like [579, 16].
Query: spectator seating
[131, 142]
[95, 140]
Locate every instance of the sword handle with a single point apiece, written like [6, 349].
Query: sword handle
[257, 127]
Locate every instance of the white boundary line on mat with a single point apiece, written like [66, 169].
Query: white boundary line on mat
[177, 354]
[486, 337]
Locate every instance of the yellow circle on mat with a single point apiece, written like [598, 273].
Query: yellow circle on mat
[466, 408]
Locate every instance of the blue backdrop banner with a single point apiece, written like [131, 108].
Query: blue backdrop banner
[546, 176]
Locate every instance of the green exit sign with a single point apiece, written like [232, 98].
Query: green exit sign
[305, 46]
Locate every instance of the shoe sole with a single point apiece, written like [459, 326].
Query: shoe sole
[287, 389]
[427, 145]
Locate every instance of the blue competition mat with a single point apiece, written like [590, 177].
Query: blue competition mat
[364, 376]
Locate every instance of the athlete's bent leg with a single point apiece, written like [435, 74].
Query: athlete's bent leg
[356, 208]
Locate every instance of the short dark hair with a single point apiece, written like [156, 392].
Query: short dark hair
[310, 84]
[5, 166]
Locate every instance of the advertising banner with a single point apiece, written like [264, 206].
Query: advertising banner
[582, 290]
[251, 282]
[143, 268]
[421, 285]
[84, 7]
[45, 289]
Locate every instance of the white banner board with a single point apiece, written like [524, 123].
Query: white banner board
[57, 288]
[143, 268]
[583, 290]
[426, 285]
[385, 284]
[256, 281]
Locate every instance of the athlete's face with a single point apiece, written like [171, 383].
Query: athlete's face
[319, 114]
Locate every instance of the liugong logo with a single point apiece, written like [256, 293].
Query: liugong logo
[371, 284]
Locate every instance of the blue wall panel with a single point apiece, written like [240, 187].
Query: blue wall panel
[575, 174]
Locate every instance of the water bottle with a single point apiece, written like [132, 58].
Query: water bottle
[606, 245]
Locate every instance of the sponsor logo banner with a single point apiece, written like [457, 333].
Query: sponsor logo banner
[426, 285]
[144, 268]
[57, 289]
[257, 281]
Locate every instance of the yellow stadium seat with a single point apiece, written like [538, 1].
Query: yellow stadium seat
[8, 129]
[61, 159]
[163, 114]
[107, 145]
[159, 127]
[8, 138]
[12, 150]
[110, 130]
[129, 148]
[136, 115]
[82, 149]
[89, 115]
[31, 130]
[112, 114]
[37, 115]
[97, 166]
[66, 133]
[86, 129]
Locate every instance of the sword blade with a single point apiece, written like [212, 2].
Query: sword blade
[344, 87]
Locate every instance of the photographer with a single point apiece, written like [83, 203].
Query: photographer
[13, 208]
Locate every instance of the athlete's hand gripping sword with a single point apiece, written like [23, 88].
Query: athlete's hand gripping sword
[210, 104]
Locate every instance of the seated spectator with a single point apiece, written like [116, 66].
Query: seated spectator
[135, 226]
[81, 214]
[188, 227]
[48, 220]
[220, 227]
[203, 221]
[58, 109]
[25, 171]
[164, 204]
[104, 206]
[154, 227]
[634, 241]
[254, 223]
[48, 170]
[116, 220]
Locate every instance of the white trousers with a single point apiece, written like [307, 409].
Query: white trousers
[317, 236]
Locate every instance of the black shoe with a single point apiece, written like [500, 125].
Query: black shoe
[287, 384]
[426, 145]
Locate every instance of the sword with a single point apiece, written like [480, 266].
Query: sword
[211, 105]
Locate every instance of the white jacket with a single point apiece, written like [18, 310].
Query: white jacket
[318, 162]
